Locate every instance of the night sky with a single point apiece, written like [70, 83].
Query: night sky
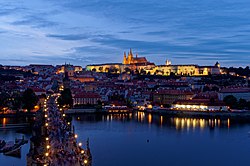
[85, 32]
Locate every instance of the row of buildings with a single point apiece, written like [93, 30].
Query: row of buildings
[94, 85]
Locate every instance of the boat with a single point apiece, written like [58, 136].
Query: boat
[21, 142]
[2, 144]
[13, 145]
[14, 152]
[7, 147]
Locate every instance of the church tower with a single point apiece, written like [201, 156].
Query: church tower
[217, 64]
[168, 62]
[130, 56]
[125, 59]
[66, 81]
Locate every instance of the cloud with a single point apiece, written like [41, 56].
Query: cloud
[6, 9]
[69, 37]
[127, 44]
[36, 22]
[100, 31]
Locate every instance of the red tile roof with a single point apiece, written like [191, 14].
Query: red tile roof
[235, 90]
[87, 95]
[174, 92]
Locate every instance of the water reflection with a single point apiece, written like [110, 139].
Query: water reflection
[159, 120]
[9, 132]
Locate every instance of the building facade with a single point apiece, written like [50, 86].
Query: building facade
[170, 96]
[142, 64]
[86, 98]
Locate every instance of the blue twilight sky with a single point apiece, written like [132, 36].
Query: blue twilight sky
[99, 31]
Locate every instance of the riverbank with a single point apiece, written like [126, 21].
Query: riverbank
[173, 113]
[31, 114]
[195, 114]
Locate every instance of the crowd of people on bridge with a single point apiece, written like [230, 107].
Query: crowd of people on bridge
[61, 143]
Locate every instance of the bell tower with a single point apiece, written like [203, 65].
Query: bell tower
[125, 59]
[130, 56]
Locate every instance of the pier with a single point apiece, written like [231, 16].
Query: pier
[54, 140]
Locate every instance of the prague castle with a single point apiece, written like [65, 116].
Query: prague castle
[131, 60]
[141, 64]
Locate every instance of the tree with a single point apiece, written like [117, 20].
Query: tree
[212, 100]
[248, 105]
[66, 98]
[143, 72]
[127, 70]
[100, 68]
[16, 102]
[215, 88]
[242, 104]
[231, 101]
[4, 100]
[29, 99]
[206, 88]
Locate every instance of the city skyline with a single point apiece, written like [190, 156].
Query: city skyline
[92, 32]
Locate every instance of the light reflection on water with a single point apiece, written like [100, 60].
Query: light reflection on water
[148, 139]
[9, 134]
[160, 120]
[134, 134]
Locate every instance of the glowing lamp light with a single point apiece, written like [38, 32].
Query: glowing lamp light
[85, 161]
[150, 106]
[68, 123]
[76, 135]
[63, 115]
[46, 124]
[80, 144]
[47, 138]
[48, 146]
[45, 116]
[82, 151]
[47, 154]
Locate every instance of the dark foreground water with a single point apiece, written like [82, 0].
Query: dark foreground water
[147, 140]
[151, 140]
[10, 135]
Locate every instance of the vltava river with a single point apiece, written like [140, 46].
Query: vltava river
[152, 140]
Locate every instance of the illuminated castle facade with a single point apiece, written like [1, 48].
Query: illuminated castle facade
[131, 60]
[142, 64]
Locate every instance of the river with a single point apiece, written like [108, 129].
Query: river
[151, 140]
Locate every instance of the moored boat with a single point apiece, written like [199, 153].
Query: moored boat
[14, 152]
[2, 144]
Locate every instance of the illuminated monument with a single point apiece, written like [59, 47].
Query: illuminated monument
[131, 60]
[142, 64]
